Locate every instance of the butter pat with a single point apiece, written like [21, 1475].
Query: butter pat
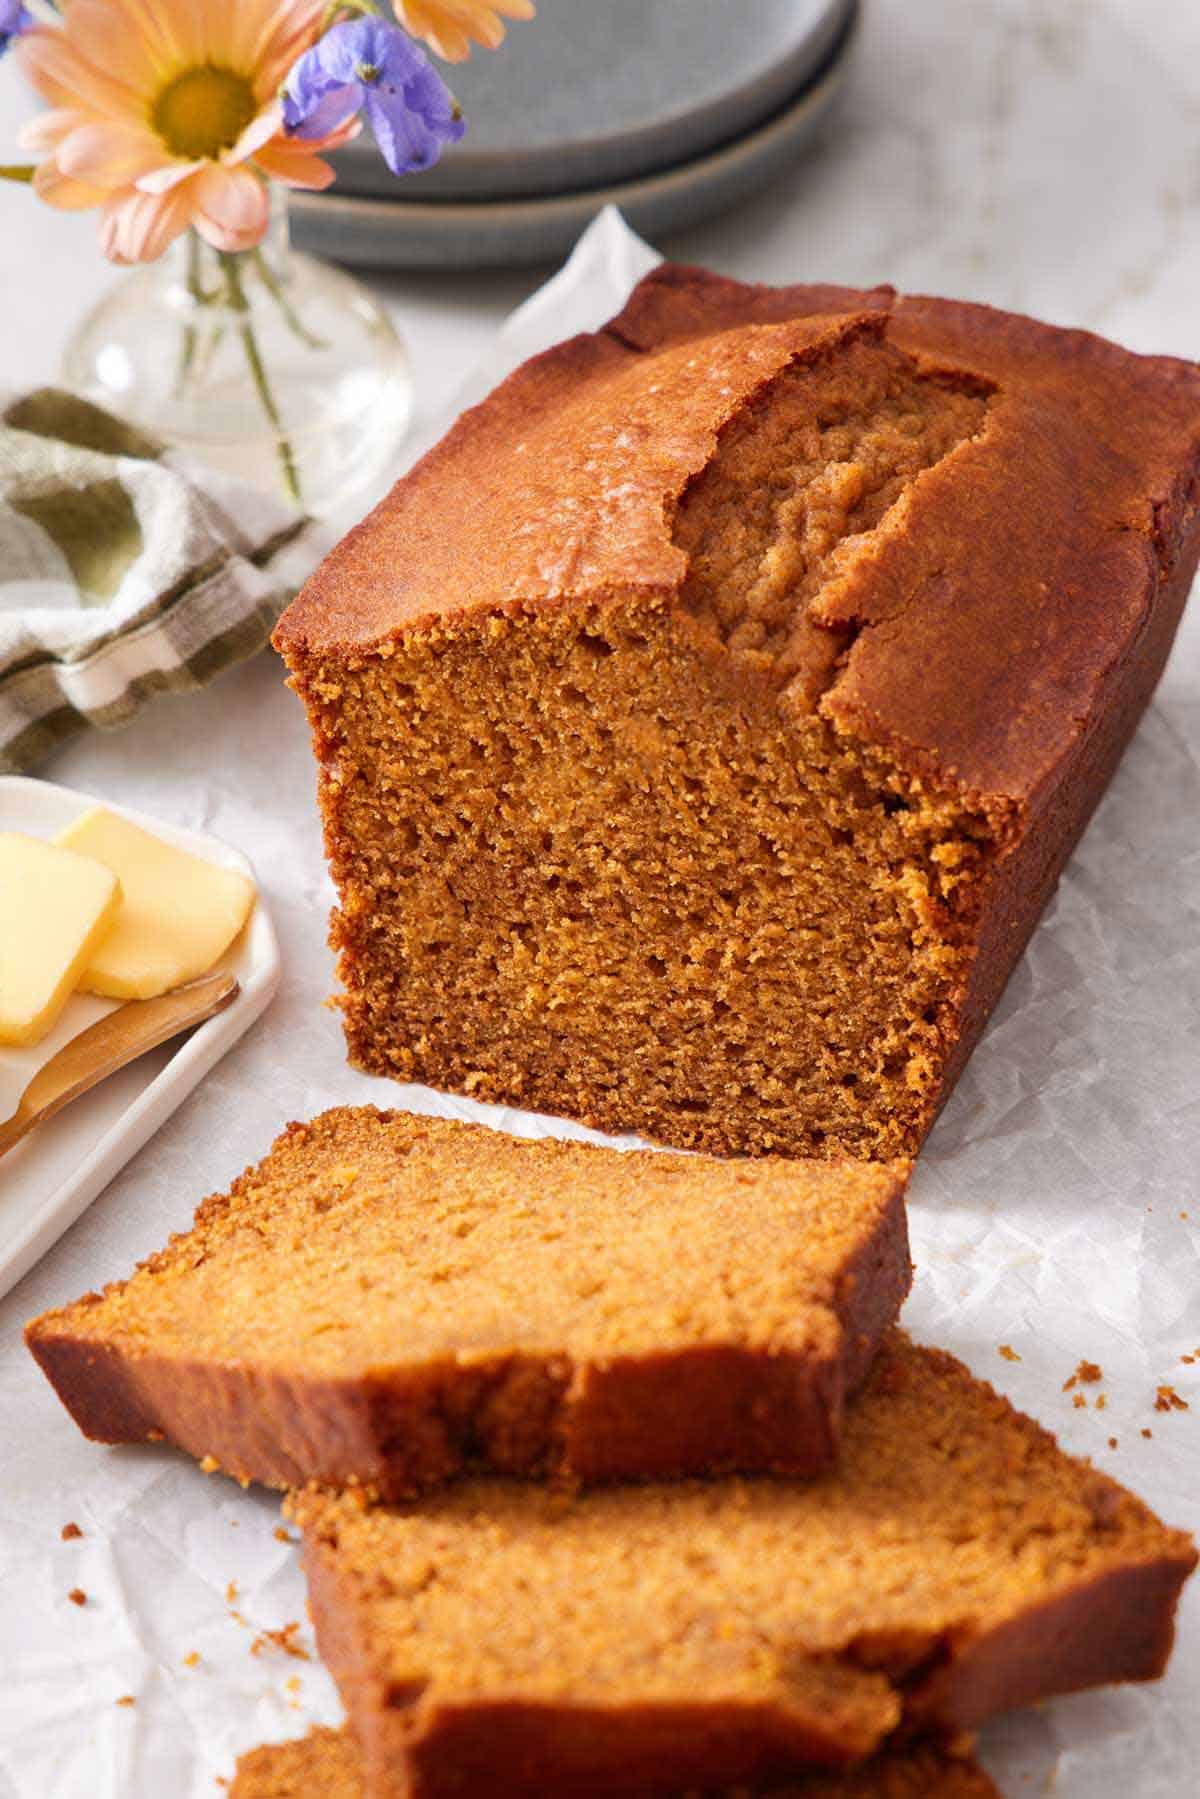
[56, 907]
[178, 914]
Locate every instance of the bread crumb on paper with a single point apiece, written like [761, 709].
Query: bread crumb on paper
[1168, 1400]
[77, 1596]
[1008, 1352]
[284, 1638]
[71, 1531]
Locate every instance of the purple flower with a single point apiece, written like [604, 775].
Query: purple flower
[14, 19]
[371, 66]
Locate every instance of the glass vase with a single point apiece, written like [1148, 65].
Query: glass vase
[267, 364]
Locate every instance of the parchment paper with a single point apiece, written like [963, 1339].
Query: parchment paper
[1056, 1211]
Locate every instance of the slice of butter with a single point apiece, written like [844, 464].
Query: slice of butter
[56, 907]
[178, 913]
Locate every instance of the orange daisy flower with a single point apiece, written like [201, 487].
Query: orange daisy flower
[165, 114]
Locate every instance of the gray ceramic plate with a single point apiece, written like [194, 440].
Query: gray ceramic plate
[594, 92]
[376, 233]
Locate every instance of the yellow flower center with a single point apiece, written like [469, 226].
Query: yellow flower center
[203, 111]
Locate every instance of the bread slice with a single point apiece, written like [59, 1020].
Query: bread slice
[704, 723]
[326, 1765]
[389, 1299]
[708, 1634]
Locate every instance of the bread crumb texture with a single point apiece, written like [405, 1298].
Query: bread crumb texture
[591, 879]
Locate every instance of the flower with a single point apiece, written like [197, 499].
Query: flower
[449, 26]
[14, 19]
[369, 65]
[165, 114]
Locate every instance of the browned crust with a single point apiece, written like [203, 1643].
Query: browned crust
[325, 1765]
[1046, 555]
[1118, 1627]
[699, 1409]
[677, 301]
[1026, 874]
[652, 1748]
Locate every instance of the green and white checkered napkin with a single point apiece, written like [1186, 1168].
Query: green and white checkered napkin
[126, 571]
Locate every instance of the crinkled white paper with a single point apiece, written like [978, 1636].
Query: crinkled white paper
[1056, 1211]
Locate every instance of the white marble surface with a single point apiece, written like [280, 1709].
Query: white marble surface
[1043, 156]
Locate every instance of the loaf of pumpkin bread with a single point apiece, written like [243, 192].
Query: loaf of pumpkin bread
[650, 1639]
[389, 1299]
[326, 1765]
[703, 725]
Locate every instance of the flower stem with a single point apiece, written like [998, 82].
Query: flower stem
[238, 303]
[291, 317]
[187, 349]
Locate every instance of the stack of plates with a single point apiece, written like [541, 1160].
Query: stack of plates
[670, 109]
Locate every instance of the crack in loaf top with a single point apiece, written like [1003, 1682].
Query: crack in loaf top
[980, 621]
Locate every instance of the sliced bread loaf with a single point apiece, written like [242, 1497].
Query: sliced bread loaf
[389, 1300]
[651, 1639]
[704, 723]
